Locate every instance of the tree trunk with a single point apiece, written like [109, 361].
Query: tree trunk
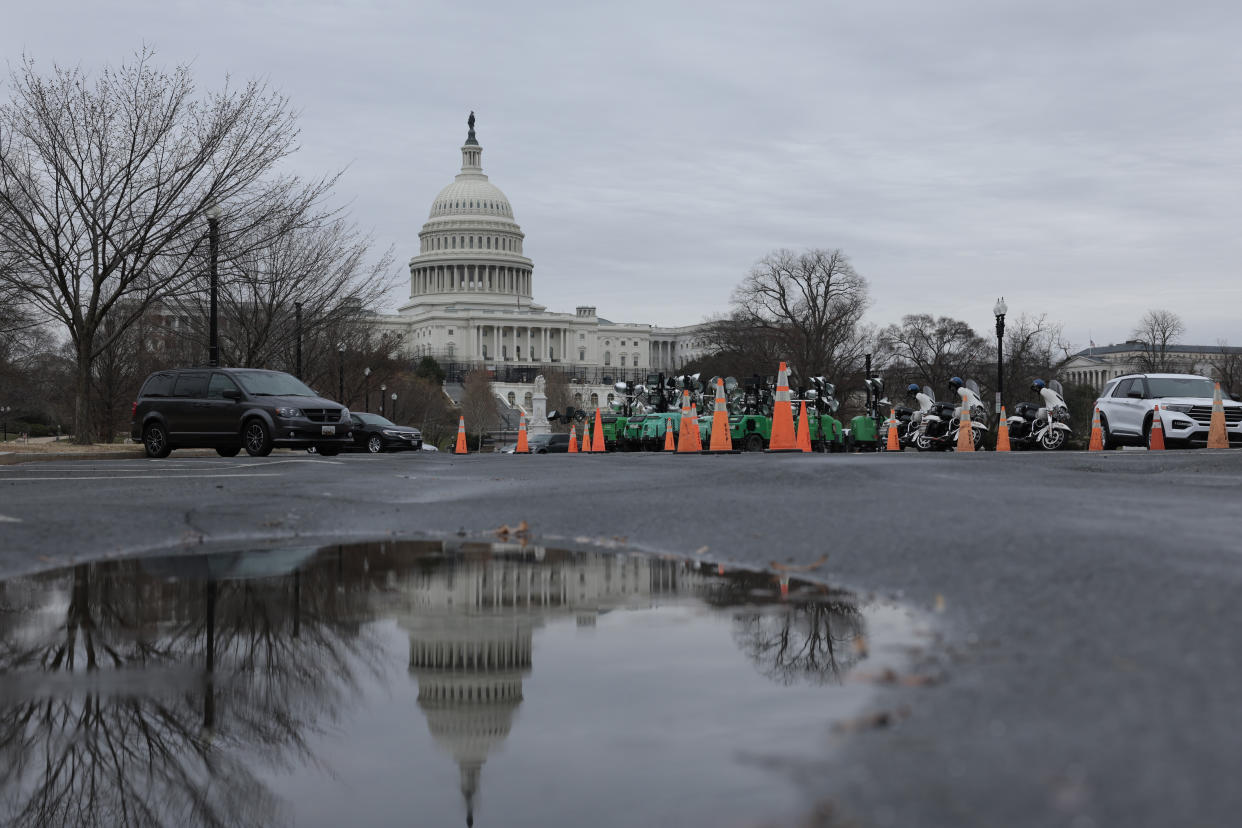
[82, 399]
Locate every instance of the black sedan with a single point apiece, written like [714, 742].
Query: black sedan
[373, 433]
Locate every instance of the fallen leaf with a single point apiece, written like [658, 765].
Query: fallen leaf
[939, 603]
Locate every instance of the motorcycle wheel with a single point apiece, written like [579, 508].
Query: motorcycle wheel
[923, 443]
[1052, 440]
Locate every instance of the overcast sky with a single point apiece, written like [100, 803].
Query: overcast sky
[1082, 159]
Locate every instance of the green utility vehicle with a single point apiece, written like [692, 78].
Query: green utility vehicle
[864, 431]
[753, 432]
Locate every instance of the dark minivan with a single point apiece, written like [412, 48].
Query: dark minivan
[229, 409]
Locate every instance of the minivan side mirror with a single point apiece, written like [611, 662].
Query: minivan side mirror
[232, 394]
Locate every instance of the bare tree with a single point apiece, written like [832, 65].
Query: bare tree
[806, 306]
[478, 405]
[105, 184]
[931, 350]
[286, 250]
[1227, 366]
[1157, 331]
[1034, 348]
[560, 397]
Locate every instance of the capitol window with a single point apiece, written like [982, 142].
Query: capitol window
[582, 354]
[623, 360]
[608, 357]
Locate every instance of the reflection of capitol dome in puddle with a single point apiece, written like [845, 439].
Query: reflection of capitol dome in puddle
[471, 622]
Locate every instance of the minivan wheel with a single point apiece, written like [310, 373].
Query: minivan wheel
[231, 451]
[257, 438]
[375, 445]
[155, 440]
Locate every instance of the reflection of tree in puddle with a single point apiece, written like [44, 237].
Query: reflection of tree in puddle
[811, 637]
[133, 692]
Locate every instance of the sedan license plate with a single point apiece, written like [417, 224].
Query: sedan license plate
[329, 431]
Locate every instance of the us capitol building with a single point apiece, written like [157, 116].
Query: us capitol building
[472, 301]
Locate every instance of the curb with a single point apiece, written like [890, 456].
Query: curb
[13, 458]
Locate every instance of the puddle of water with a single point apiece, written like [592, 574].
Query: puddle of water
[422, 683]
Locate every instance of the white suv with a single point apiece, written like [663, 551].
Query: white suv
[1185, 409]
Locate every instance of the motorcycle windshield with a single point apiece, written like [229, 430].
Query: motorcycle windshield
[973, 386]
[1056, 386]
[931, 395]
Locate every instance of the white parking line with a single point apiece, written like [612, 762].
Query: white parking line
[141, 477]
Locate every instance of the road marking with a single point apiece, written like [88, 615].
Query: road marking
[142, 477]
[7, 519]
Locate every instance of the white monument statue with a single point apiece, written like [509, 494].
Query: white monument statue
[539, 409]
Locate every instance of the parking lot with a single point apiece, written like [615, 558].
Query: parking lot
[1083, 604]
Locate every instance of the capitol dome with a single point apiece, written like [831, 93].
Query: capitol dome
[470, 248]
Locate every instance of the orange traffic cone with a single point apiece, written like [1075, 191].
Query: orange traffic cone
[573, 439]
[1155, 440]
[1217, 436]
[461, 437]
[894, 443]
[804, 430]
[721, 440]
[1097, 433]
[720, 569]
[688, 441]
[597, 433]
[783, 437]
[784, 586]
[669, 445]
[586, 440]
[965, 432]
[1002, 432]
[523, 447]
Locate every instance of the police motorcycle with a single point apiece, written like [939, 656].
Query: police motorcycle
[908, 417]
[1042, 424]
[939, 426]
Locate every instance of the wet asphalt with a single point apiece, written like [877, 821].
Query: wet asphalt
[1083, 666]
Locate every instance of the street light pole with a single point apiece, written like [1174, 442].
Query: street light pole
[213, 250]
[366, 384]
[383, 388]
[394, 406]
[340, 372]
[4, 414]
[297, 311]
[1000, 309]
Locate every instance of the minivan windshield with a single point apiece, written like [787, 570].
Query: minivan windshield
[272, 384]
[1158, 387]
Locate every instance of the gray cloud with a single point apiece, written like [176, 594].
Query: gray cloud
[1079, 158]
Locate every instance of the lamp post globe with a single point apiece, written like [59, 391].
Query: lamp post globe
[383, 388]
[999, 310]
[366, 383]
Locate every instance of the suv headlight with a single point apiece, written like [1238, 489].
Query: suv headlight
[285, 411]
[1182, 407]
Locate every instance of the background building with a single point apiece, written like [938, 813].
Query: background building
[1097, 365]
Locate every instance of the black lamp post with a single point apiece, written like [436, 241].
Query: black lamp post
[213, 249]
[394, 406]
[4, 414]
[340, 372]
[297, 316]
[383, 388]
[366, 384]
[1000, 309]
